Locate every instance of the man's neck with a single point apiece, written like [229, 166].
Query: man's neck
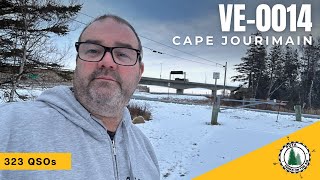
[111, 123]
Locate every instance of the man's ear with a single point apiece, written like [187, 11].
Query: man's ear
[141, 68]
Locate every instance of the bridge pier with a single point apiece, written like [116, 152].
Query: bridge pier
[179, 91]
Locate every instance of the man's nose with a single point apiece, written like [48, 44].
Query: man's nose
[107, 61]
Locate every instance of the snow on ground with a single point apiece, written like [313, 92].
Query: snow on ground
[187, 147]
[30, 93]
[169, 96]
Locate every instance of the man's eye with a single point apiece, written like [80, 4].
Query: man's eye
[92, 51]
[122, 55]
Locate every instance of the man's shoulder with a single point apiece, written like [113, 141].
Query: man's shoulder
[26, 105]
[137, 131]
[146, 150]
[23, 110]
[140, 136]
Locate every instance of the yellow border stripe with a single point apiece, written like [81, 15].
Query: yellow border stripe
[263, 164]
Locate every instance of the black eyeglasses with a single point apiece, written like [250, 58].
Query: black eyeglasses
[92, 52]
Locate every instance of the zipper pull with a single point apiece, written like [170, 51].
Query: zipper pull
[115, 159]
[113, 147]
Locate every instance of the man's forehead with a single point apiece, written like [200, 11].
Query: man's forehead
[115, 43]
[111, 29]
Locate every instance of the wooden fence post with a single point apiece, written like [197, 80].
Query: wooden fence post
[214, 116]
[219, 102]
[297, 109]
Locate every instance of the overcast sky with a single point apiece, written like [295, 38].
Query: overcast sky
[162, 20]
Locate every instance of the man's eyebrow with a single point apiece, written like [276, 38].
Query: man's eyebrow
[120, 44]
[117, 44]
[93, 41]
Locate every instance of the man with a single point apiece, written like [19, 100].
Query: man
[90, 120]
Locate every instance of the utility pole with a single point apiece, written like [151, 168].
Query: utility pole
[225, 78]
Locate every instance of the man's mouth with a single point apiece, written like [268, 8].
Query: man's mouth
[105, 78]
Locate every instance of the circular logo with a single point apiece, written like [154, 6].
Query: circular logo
[294, 157]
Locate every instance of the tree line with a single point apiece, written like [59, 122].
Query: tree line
[284, 72]
[26, 30]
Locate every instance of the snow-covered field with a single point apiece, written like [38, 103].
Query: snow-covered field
[186, 146]
[170, 96]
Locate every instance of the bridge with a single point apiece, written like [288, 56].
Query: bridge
[180, 85]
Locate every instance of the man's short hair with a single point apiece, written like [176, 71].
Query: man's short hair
[119, 20]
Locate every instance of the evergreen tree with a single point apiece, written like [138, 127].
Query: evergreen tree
[292, 65]
[292, 158]
[285, 74]
[252, 68]
[298, 159]
[310, 66]
[315, 93]
[26, 27]
[275, 66]
[291, 89]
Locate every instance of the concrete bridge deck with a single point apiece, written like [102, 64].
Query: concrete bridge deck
[181, 85]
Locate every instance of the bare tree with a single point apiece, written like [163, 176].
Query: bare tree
[26, 27]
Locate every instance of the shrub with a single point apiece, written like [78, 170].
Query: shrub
[139, 110]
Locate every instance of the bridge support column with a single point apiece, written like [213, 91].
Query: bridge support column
[179, 91]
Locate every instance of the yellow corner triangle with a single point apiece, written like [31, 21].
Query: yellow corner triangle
[264, 163]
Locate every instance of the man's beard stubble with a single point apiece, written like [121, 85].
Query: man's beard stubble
[102, 98]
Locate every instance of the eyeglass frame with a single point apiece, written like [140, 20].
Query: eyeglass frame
[108, 49]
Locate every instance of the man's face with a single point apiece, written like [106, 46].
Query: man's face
[105, 87]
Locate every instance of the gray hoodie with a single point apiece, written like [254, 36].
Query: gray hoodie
[57, 122]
